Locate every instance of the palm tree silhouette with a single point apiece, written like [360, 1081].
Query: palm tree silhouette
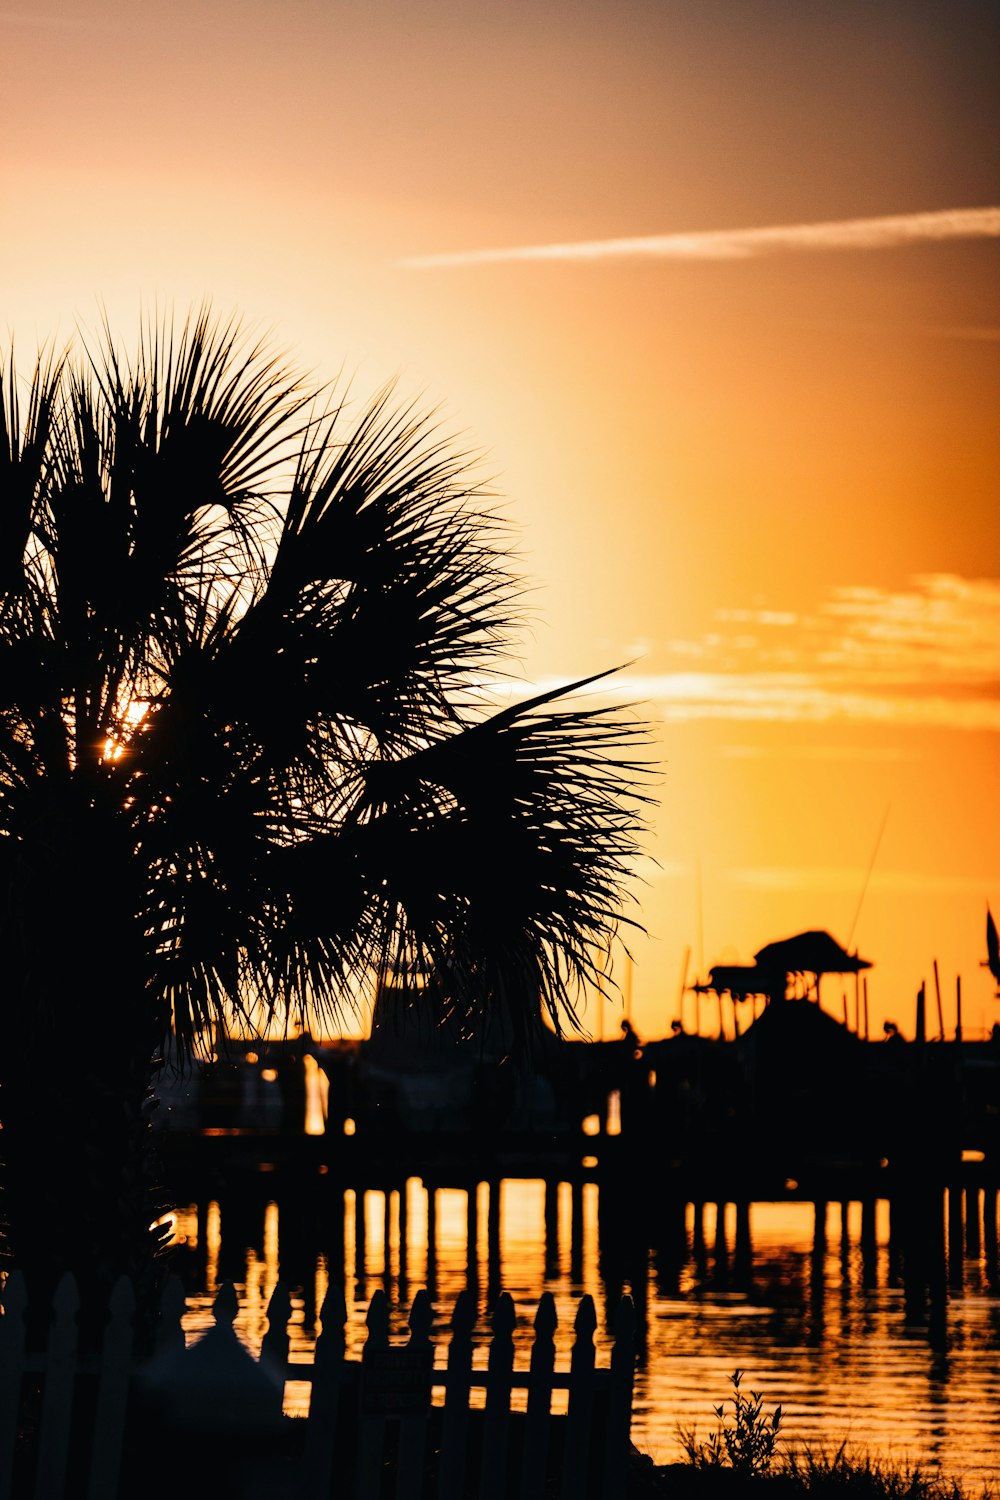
[246, 755]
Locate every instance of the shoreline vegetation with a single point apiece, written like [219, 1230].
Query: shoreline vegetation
[801, 1471]
[747, 1454]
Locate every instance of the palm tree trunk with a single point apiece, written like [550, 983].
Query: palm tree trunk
[79, 1185]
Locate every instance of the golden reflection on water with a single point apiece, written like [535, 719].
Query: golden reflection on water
[809, 1333]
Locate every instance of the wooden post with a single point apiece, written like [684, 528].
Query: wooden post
[335, 1224]
[818, 1266]
[12, 1339]
[493, 1224]
[112, 1395]
[493, 1485]
[201, 1230]
[721, 1256]
[698, 1234]
[576, 1447]
[619, 1402]
[360, 1232]
[386, 1235]
[973, 1238]
[371, 1427]
[413, 1428]
[551, 1228]
[576, 1231]
[920, 1030]
[869, 1242]
[431, 1238]
[169, 1336]
[940, 1010]
[895, 1238]
[403, 1232]
[274, 1347]
[538, 1420]
[958, 1008]
[744, 1248]
[324, 1404]
[937, 1277]
[914, 1251]
[57, 1402]
[956, 1235]
[454, 1433]
[990, 1231]
[845, 1234]
[472, 1235]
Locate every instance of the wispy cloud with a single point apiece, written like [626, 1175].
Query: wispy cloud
[793, 750]
[944, 629]
[838, 878]
[928, 655]
[790, 698]
[740, 244]
[40, 21]
[971, 334]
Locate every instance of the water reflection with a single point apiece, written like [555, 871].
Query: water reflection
[809, 1300]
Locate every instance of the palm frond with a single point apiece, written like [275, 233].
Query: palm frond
[519, 835]
[243, 639]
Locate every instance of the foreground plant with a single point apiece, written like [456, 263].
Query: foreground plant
[246, 757]
[745, 1438]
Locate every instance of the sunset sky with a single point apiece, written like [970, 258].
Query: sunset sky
[757, 459]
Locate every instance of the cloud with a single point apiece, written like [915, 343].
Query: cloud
[823, 879]
[783, 698]
[971, 334]
[944, 629]
[52, 22]
[741, 244]
[924, 656]
[790, 751]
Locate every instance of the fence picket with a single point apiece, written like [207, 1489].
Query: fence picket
[413, 1429]
[324, 1405]
[274, 1347]
[371, 1431]
[169, 1336]
[395, 1384]
[536, 1427]
[57, 1402]
[454, 1428]
[496, 1431]
[619, 1401]
[226, 1305]
[12, 1336]
[112, 1394]
[581, 1402]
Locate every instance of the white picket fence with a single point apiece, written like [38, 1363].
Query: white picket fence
[358, 1411]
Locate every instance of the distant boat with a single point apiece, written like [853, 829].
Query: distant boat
[992, 948]
[815, 953]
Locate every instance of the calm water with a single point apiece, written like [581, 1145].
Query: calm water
[810, 1334]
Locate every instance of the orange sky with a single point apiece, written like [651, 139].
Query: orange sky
[770, 479]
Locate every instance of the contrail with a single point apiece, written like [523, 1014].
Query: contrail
[51, 22]
[741, 244]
